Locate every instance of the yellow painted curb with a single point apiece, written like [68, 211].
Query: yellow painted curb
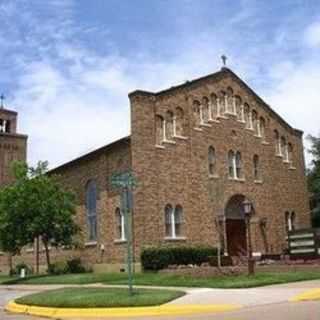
[313, 294]
[119, 312]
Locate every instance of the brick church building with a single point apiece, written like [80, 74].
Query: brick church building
[198, 150]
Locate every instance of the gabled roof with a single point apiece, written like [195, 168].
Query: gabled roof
[91, 154]
[223, 72]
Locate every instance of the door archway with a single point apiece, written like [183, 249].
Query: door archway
[236, 226]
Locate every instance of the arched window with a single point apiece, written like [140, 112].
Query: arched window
[255, 122]
[287, 221]
[173, 221]
[197, 113]
[160, 130]
[231, 164]
[256, 167]
[5, 126]
[168, 220]
[238, 165]
[178, 216]
[290, 220]
[211, 160]
[293, 220]
[169, 126]
[290, 155]
[247, 116]
[121, 233]
[205, 110]
[277, 142]
[239, 108]
[214, 106]
[284, 148]
[262, 128]
[222, 103]
[179, 123]
[230, 101]
[91, 209]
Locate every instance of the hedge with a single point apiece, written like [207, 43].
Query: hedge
[158, 258]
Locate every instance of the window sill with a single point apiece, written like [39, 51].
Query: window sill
[292, 168]
[169, 141]
[205, 125]
[237, 179]
[175, 239]
[257, 136]
[241, 121]
[286, 161]
[229, 113]
[91, 244]
[249, 129]
[181, 137]
[258, 181]
[158, 146]
[213, 121]
[223, 117]
[279, 155]
[265, 143]
[120, 241]
[197, 129]
[213, 176]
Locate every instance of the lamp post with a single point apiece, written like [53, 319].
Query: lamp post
[247, 208]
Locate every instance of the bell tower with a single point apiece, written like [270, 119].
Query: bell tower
[13, 146]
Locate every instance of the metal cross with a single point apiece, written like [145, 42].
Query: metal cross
[2, 98]
[224, 60]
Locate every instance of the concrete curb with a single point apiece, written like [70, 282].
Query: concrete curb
[309, 295]
[163, 310]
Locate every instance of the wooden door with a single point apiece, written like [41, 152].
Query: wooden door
[236, 237]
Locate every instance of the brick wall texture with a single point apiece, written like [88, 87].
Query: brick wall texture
[175, 171]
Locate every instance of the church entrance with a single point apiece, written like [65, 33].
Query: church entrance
[236, 227]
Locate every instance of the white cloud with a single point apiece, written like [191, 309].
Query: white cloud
[72, 99]
[296, 96]
[312, 35]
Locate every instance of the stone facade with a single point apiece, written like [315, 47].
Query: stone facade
[197, 150]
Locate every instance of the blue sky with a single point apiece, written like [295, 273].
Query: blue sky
[68, 65]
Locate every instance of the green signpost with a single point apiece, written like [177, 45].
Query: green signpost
[126, 182]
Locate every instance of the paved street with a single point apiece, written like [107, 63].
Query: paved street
[7, 295]
[265, 303]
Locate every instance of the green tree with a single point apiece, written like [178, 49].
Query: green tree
[314, 178]
[36, 206]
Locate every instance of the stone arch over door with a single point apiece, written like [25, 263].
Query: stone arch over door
[236, 234]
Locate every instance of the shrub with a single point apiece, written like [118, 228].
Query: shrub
[69, 266]
[161, 257]
[75, 266]
[17, 269]
[59, 267]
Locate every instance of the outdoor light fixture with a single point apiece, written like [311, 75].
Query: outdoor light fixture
[247, 209]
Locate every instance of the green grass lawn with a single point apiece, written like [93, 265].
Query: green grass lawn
[99, 297]
[4, 279]
[159, 279]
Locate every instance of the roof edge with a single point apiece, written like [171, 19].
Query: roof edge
[89, 154]
[223, 70]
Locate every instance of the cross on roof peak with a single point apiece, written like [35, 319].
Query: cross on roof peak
[224, 59]
[2, 98]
